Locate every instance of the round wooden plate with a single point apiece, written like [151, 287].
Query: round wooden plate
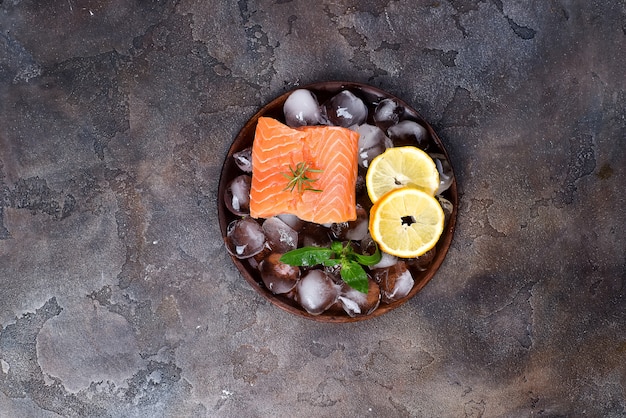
[325, 90]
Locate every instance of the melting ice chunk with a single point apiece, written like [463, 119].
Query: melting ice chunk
[408, 132]
[368, 246]
[244, 238]
[280, 236]
[372, 142]
[278, 277]
[386, 260]
[314, 235]
[445, 172]
[395, 282]
[237, 197]
[447, 207]
[316, 291]
[354, 230]
[301, 108]
[356, 303]
[422, 262]
[345, 109]
[387, 113]
[243, 159]
[292, 220]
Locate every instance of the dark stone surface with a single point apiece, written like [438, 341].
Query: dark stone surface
[117, 297]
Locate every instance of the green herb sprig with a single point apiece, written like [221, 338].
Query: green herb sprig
[338, 254]
[299, 178]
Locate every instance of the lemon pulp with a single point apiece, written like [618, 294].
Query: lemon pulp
[406, 222]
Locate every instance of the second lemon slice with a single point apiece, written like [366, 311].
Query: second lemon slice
[406, 222]
[401, 167]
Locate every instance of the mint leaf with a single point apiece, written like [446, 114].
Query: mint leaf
[337, 247]
[368, 260]
[353, 274]
[331, 262]
[306, 256]
[351, 270]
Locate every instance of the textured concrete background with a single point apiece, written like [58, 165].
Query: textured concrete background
[117, 297]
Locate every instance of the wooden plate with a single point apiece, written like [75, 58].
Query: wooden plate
[323, 91]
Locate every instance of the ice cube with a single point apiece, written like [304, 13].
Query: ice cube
[386, 260]
[445, 172]
[447, 207]
[387, 113]
[243, 159]
[360, 186]
[408, 132]
[356, 303]
[353, 230]
[280, 236]
[302, 108]
[314, 235]
[244, 238]
[372, 142]
[422, 262]
[316, 291]
[369, 246]
[278, 277]
[345, 109]
[395, 282]
[292, 220]
[237, 198]
[358, 229]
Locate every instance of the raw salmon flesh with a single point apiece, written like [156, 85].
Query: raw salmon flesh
[329, 153]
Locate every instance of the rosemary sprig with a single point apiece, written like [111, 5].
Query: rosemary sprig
[298, 178]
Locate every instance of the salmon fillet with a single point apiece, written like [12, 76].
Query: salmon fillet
[330, 153]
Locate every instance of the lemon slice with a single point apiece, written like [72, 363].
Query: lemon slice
[406, 222]
[399, 167]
